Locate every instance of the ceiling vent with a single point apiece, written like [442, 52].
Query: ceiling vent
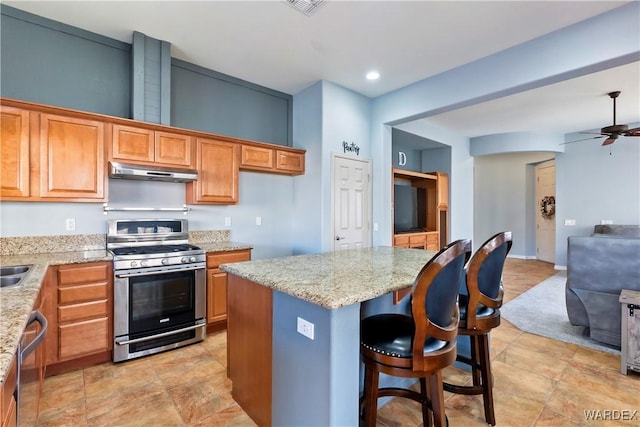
[308, 7]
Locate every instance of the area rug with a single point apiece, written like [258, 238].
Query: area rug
[542, 311]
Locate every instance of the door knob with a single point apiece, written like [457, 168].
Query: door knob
[340, 237]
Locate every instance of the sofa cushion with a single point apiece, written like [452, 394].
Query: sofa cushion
[617, 230]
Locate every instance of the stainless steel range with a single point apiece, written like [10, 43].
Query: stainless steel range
[159, 287]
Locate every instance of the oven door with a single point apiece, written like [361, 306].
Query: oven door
[158, 309]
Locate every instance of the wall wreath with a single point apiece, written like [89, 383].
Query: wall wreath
[548, 207]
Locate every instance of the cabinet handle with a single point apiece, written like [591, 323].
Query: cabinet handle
[340, 237]
[36, 316]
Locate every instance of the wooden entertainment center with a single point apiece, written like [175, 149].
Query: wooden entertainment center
[431, 197]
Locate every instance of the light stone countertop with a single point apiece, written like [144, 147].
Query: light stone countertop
[336, 279]
[16, 303]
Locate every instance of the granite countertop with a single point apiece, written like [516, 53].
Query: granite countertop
[336, 279]
[16, 303]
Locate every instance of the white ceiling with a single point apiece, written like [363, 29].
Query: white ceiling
[269, 43]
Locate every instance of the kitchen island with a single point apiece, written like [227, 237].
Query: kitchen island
[283, 378]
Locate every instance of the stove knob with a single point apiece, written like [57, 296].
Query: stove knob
[184, 260]
[165, 261]
[143, 263]
[192, 259]
[134, 264]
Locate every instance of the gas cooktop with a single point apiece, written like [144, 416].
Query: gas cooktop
[154, 249]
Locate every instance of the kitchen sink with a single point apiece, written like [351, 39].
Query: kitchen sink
[13, 275]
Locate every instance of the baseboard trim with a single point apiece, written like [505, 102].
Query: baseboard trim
[559, 267]
[521, 256]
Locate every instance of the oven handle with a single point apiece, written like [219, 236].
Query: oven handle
[163, 334]
[149, 272]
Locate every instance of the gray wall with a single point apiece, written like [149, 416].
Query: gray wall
[504, 188]
[595, 183]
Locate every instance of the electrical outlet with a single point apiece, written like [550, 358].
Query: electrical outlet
[569, 222]
[305, 328]
[606, 222]
[375, 226]
[70, 224]
[227, 221]
[258, 220]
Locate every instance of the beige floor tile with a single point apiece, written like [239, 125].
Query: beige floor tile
[70, 414]
[113, 377]
[232, 416]
[155, 409]
[189, 371]
[548, 418]
[100, 403]
[197, 400]
[61, 390]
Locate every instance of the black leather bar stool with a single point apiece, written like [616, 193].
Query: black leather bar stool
[419, 345]
[479, 314]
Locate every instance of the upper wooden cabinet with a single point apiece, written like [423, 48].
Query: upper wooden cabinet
[275, 160]
[217, 165]
[147, 146]
[14, 152]
[72, 163]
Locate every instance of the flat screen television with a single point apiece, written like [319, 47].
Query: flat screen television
[408, 209]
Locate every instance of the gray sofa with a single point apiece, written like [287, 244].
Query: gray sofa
[598, 268]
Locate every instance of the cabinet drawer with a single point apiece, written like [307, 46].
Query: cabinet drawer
[83, 311]
[69, 275]
[215, 259]
[83, 338]
[82, 293]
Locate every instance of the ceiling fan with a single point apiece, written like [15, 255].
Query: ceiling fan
[614, 131]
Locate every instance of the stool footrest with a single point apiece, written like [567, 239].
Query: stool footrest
[463, 389]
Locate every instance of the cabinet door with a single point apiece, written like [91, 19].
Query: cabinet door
[257, 158]
[131, 143]
[217, 164]
[83, 338]
[216, 295]
[14, 152]
[173, 149]
[72, 158]
[443, 190]
[290, 162]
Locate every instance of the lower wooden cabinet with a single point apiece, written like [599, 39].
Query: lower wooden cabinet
[80, 311]
[8, 410]
[217, 285]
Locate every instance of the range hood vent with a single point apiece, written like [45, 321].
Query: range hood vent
[151, 173]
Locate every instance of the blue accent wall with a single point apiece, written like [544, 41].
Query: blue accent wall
[209, 101]
[51, 63]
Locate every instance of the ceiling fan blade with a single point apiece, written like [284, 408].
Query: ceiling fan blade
[583, 139]
[610, 140]
[632, 132]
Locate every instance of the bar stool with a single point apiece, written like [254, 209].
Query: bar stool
[479, 314]
[419, 345]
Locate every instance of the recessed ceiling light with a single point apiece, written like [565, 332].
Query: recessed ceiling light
[373, 75]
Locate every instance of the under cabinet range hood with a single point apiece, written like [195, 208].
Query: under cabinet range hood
[150, 173]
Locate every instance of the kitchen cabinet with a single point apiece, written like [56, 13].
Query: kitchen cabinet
[274, 160]
[217, 163]
[217, 286]
[14, 152]
[82, 324]
[72, 164]
[131, 144]
[8, 409]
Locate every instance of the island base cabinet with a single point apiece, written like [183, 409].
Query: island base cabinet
[249, 349]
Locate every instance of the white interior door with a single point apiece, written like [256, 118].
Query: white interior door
[351, 198]
[545, 223]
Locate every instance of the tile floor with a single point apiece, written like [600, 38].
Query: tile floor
[538, 382]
